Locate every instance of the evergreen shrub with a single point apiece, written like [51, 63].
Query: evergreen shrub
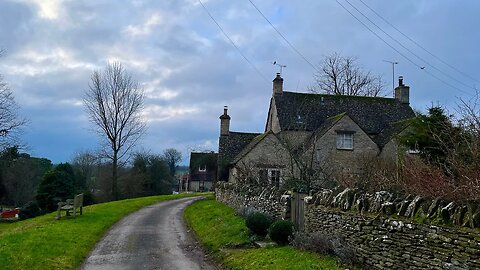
[280, 231]
[258, 223]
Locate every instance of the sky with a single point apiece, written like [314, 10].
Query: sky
[189, 69]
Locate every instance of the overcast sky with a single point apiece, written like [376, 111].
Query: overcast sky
[190, 70]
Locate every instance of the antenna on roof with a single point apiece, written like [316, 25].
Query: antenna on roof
[393, 73]
[279, 65]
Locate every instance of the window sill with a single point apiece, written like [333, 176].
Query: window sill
[345, 149]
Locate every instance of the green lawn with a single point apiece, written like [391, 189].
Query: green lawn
[225, 235]
[46, 243]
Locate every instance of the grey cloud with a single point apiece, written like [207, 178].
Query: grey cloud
[186, 56]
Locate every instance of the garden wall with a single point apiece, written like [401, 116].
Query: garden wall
[243, 199]
[384, 232]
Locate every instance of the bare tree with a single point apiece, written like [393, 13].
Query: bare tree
[86, 165]
[173, 157]
[339, 75]
[114, 102]
[10, 122]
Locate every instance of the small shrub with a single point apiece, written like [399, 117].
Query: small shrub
[280, 231]
[30, 210]
[88, 198]
[258, 223]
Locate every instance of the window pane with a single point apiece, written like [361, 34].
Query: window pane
[348, 143]
[339, 140]
[344, 140]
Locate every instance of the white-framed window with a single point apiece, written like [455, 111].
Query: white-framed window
[345, 140]
[270, 176]
[202, 168]
[274, 177]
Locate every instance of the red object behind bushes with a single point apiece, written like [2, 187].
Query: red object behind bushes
[9, 213]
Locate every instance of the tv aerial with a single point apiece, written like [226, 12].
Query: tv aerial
[279, 65]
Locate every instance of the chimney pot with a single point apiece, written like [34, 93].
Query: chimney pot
[278, 85]
[225, 122]
[402, 91]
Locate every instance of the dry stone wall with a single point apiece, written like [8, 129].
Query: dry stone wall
[250, 198]
[385, 232]
[388, 243]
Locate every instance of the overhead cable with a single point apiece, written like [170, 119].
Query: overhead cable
[418, 45]
[407, 49]
[399, 52]
[233, 43]
[283, 37]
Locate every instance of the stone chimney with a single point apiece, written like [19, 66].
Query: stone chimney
[278, 85]
[225, 122]
[402, 92]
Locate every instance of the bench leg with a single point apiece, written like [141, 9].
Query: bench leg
[58, 213]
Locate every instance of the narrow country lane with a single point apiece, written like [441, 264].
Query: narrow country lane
[154, 237]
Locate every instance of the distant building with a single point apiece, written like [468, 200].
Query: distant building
[203, 171]
[182, 185]
[331, 133]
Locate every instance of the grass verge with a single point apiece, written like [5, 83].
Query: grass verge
[46, 243]
[224, 234]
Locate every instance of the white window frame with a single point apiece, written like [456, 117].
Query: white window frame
[202, 168]
[345, 140]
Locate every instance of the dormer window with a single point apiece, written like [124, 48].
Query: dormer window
[345, 140]
[202, 168]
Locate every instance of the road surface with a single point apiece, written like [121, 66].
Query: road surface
[154, 237]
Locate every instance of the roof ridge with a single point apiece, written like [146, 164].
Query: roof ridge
[338, 96]
[252, 133]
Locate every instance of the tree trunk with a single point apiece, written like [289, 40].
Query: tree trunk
[114, 175]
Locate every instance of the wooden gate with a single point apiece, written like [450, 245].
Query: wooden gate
[297, 210]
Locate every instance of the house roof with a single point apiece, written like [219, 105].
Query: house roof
[231, 145]
[302, 111]
[207, 159]
[203, 158]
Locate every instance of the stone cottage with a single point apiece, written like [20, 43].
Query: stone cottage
[314, 137]
[203, 171]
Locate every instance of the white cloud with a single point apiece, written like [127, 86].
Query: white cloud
[47, 9]
[155, 90]
[157, 113]
[159, 94]
[72, 102]
[31, 62]
[146, 27]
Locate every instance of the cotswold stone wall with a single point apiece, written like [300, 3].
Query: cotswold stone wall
[384, 232]
[244, 199]
[388, 243]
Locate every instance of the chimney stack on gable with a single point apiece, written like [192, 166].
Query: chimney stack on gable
[225, 122]
[278, 85]
[402, 92]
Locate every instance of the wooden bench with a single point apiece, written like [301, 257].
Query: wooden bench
[71, 205]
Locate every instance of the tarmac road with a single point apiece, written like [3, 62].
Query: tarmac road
[154, 237]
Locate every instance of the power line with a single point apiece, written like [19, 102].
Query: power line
[395, 49]
[403, 46]
[378, 36]
[283, 37]
[233, 43]
[420, 46]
